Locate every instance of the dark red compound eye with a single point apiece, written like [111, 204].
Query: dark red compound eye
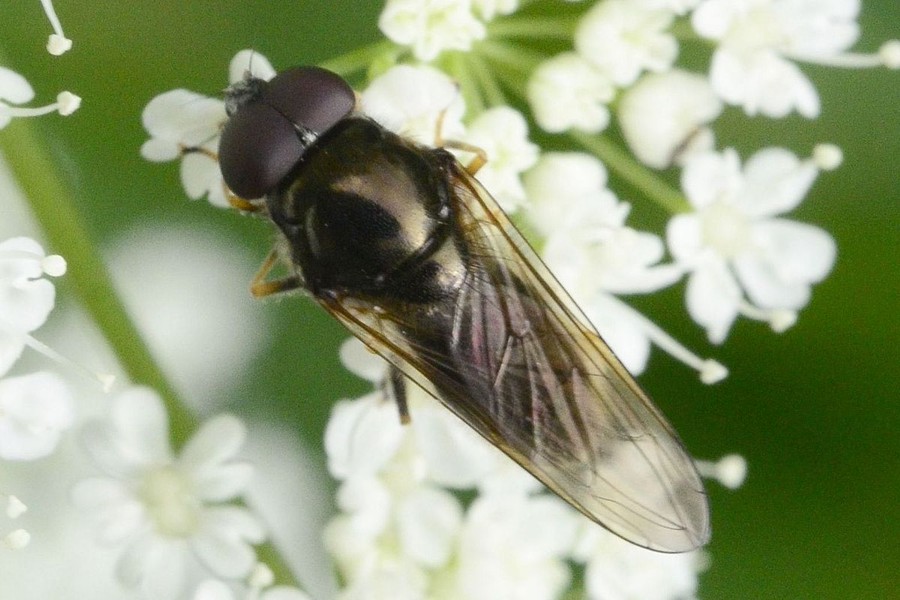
[270, 130]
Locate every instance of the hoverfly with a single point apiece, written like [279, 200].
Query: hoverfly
[403, 246]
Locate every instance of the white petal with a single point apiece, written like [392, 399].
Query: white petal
[369, 503]
[562, 187]
[567, 92]
[362, 362]
[428, 522]
[789, 257]
[98, 492]
[119, 514]
[616, 569]
[712, 18]
[11, 346]
[184, 117]
[166, 566]
[775, 182]
[456, 456]
[763, 83]
[617, 325]
[623, 38]
[135, 435]
[711, 177]
[249, 61]
[212, 589]
[14, 88]
[224, 482]
[346, 543]
[234, 522]
[409, 100]
[834, 29]
[223, 544]
[362, 435]
[802, 252]
[34, 410]
[712, 299]
[663, 111]
[131, 566]
[502, 133]
[766, 291]
[200, 175]
[684, 238]
[25, 298]
[20, 259]
[26, 305]
[142, 424]
[512, 547]
[564, 175]
[160, 150]
[430, 27]
[217, 441]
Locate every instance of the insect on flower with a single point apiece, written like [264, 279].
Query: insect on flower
[403, 246]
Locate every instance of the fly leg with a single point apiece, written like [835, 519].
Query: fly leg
[261, 287]
[476, 163]
[395, 386]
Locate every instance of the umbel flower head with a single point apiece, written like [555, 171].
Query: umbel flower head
[403, 533]
[35, 408]
[458, 73]
[170, 513]
[734, 245]
[26, 295]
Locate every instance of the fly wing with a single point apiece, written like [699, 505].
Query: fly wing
[519, 362]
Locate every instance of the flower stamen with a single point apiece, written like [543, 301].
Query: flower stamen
[57, 43]
[710, 371]
[170, 502]
[730, 470]
[888, 56]
[779, 319]
[106, 380]
[66, 103]
[19, 538]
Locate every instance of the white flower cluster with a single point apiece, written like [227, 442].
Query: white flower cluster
[423, 104]
[186, 125]
[403, 533]
[631, 46]
[740, 255]
[172, 514]
[15, 89]
[34, 408]
[429, 27]
[404, 530]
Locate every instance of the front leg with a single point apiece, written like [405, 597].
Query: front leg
[261, 287]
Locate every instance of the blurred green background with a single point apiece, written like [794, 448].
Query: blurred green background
[815, 410]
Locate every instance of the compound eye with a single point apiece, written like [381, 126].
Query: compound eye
[310, 97]
[258, 148]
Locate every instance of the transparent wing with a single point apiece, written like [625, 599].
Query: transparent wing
[513, 356]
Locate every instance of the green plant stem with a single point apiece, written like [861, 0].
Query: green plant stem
[561, 28]
[618, 161]
[359, 59]
[55, 208]
[489, 85]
